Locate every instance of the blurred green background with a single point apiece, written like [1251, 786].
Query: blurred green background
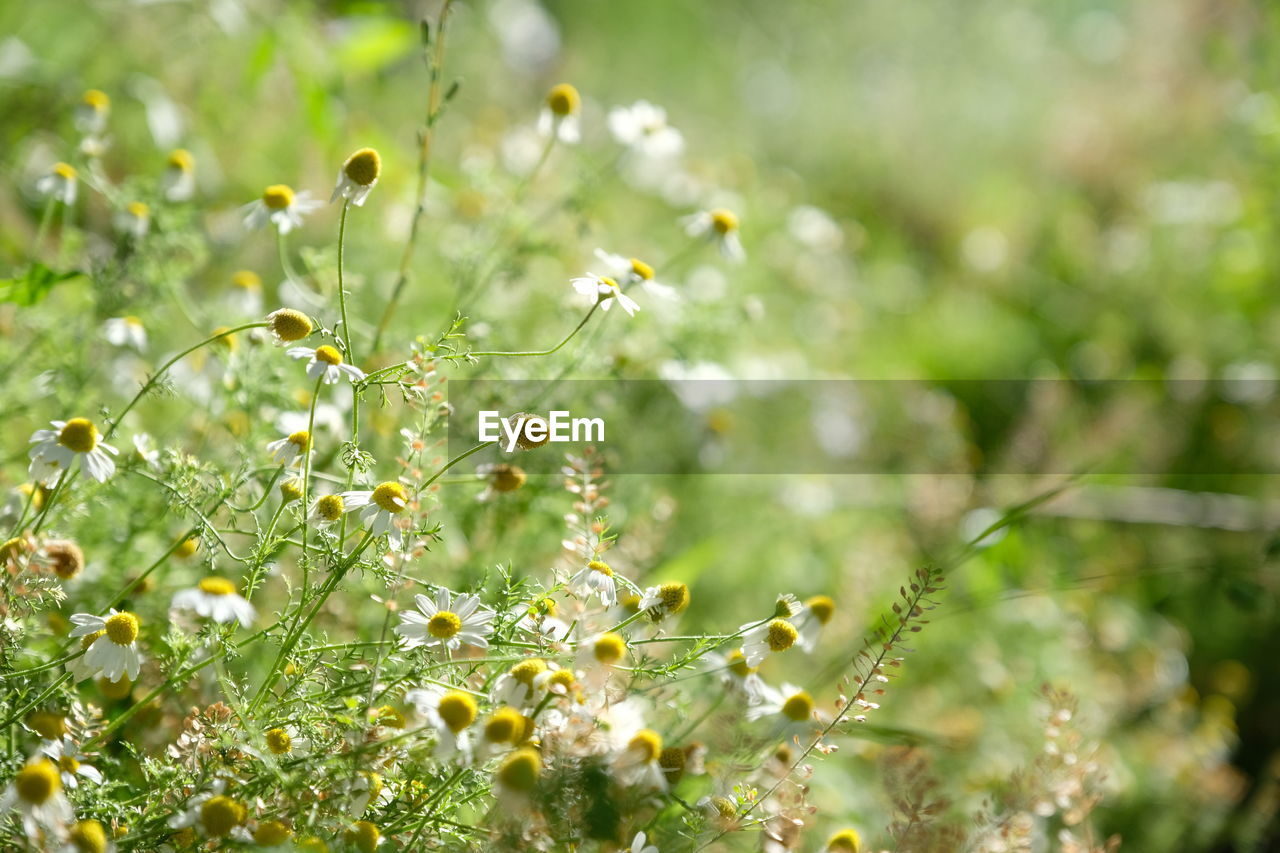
[1080, 190]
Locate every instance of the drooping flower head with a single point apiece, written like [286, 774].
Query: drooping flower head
[358, 176]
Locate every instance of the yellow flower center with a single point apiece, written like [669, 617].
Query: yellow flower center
[277, 196]
[98, 100]
[181, 159]
[561, 678]
[289, 325]
[331, 507]
[115, 689]
[444, 625]
[781, 635]
[521, 770]
[503, 725]
[47, 724]
[328, 354]
[301, 439]
[738, 664]
[798, 707]
[672, 760]
[845, 841]
[363, 167]
[390, 496]
[673, 597]
[219, 815]
[507, 478]
[643, 270]
[188, 547]
[457, 709]
[65, 171]
[272, 833]
[217, 586]
[312, 845]
[278, 741]
[225, 339]
[78, 435]
[564, 100]
[68, 764]
[291, 490]
[248, 280]
[527, 670]
[610, 648]
[37, 782]
[87, 640]
[138, 209]
[364, 836]
[724, 221]
[822, 607]
[88, 836]
[646, 744]
[601, 568]
[122, 628]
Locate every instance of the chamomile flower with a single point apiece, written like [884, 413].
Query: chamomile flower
[758, 640]
[246, 292]
[115, 651]
[643, 128]
[149, 455]
[326, 361]
[72, 763]
[215, 598]
[451, 713]
[379, 508]
[219, 815]
[500, 478]
[792, 706]
[358, 176]
[55, 450]
[134, 220]
[279, 206]
[637, 763]
[273, 835]
[596, 578]
[505, 727]
[518, 773]
[88, 836]
[125, 331]
[560, 117]
[814, 615]
[368, 789]
[844, 841]
[327, 509]
[516, 686]
[92, 112]
[364, 836]
[665, 600]
[288, 325]
[178, 183]
[635, 271]
[292, 449]
[720, 226]
[638, 845]
[447, 621]
[736, 674]
[60, 184]
[605, 291]
[36, 794]
[604, 649]
[286, 740]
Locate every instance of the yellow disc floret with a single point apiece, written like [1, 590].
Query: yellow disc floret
[609, 648]
[457, 709]
[272, 833]
[646, 744]
[845, 841]
[444, 624]
[363, 167]
[88, 836]
[221, 814]
[247, 280]
[122, 628]
[798, 707]
[673, 597]
[328, 354]
[78, 435]
[217, 586]
[278, 741]
[65, 171]
[97, 100]
[781, 635]
[277, 196]
[291, 490]
[642, 270]
[48, 725]
[506, 478]
[187, 548]
[37, 782]
[504, 725]
[602, 568]
[390, 496]
[528, 669]
[138, 209]
[520, 770]
[724, 221]
[564, 100]
[561, 678]
[181, 159]
[672, 760]
[738, 664]
[301, 440]
[330, 507]
[822, 607]
[364, 836]
[289, 325]
[68, 764]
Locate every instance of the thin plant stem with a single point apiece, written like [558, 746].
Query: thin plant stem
[555, 348]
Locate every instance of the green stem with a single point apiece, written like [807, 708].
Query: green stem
[46, 219]
[555, 348]
[342, 292]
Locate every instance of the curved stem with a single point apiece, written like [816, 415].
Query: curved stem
[555, 348]
[342, 293]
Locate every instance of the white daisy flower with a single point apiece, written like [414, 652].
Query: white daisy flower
[60, 183]
[643, 128]
[604, 289]
[219, 815]
[56, 449]
[286, 740]
[147, 453]
[358, 176]
[178, 183]
[88, 835]
[736, 674]
[115, 652]
[125, 331]
[448, 621]
[288, 325]
[379, 509]
[134, 220]
[637, 763]
[327, 509]
[516, 686]
[36, 794]
[291, 449]
[596, 578]
[665, 600]
[71, 762]
[638, 845]
[326, 361]
[637, 272]
[792, 707]
[92, 112]
[759, 639]
[719, 225]
[215, 598]
[451, 713]
[368, 789]
[560, 117]
[816, 613]
[279, 206]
